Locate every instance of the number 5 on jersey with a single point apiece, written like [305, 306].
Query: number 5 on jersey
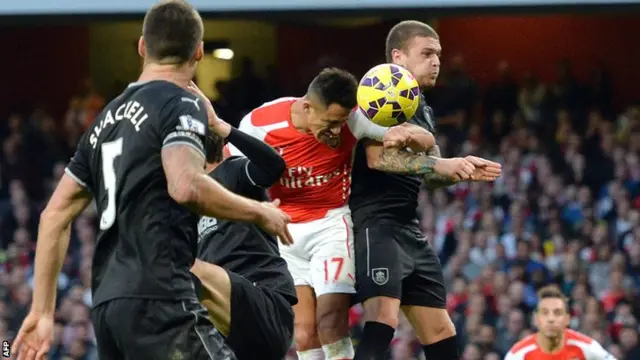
[110, 151]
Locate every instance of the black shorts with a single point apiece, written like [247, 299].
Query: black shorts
[261, 321]
[134, 329]
[397, 261]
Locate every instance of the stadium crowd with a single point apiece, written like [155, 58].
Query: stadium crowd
[566, 210]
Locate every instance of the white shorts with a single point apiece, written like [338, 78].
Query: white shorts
[322, 253]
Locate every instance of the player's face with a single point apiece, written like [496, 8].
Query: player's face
[552, 317]
[325, 123]
[422, 59]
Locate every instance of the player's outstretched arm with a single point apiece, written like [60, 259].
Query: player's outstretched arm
[33, 340]
[417, 138]
[265, 166]
[435, 170]
[486, 170]
[189, 186]
[435, 180]
[363, 128]
[183, 160]
[68, 200]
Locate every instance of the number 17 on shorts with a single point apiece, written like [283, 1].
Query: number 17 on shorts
[335, 275]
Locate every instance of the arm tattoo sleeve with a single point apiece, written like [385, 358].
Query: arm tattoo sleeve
[434, 180]
[403, 162]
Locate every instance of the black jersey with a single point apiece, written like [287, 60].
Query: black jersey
[379, 196]
[244, 248]
[146, 242]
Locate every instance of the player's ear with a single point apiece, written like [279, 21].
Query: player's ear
[199, 52]
[306, 106]
[142, 51]
[397, 56]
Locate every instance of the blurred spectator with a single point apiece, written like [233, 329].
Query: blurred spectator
[502, 95]
[531, 100]
[223, 104]
[247, 80]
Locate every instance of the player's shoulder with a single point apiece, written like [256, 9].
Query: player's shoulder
[357, 114]
[282, 101]
[575, 336]
[173, 103]
[590, 348]
[522, 347]
[424, 116]
[429, 111]
[271, 113]
[166, 97]
[157, 90]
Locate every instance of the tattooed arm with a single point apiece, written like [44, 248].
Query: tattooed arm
[434, 180]
[191, 187]
[403, 162]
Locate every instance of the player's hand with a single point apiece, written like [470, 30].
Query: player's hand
[34, 337]
[397, 137]
[458, 169]
[274, 221]
[221, 128]
[195, 90]
[420, 139]
[485, 170]
[212, 117]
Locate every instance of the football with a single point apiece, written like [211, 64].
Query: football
[388, 94]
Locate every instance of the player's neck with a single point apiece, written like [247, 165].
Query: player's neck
[550, 345]
[179, 75]
[298, 117]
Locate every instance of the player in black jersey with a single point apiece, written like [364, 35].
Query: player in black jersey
[142, 160]
[249, 290]
[395, 266]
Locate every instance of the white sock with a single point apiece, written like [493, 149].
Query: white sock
[313, 354]
[339, 350]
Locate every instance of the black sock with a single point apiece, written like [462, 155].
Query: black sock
[446, 349]
[375, 341]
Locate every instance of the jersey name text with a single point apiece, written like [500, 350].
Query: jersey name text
[131, 110]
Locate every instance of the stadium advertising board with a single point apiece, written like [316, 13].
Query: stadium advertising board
[59, 7]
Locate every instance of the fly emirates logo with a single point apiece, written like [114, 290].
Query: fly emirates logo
[302, 176]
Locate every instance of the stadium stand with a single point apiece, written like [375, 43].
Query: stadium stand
[566, 210]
